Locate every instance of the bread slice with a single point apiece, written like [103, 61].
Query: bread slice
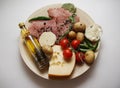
[59, 67]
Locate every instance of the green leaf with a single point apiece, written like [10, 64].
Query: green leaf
[70, 7]
[72, 18]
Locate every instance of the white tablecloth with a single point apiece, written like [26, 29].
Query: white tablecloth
[104, 73]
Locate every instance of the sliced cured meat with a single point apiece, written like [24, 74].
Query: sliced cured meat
[59, 14]
[58, 25]
[61, 17]
[38, 27]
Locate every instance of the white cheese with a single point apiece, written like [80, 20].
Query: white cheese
[47, 38]
[93, 32]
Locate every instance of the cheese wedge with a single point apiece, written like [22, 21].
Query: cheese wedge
[58, 66]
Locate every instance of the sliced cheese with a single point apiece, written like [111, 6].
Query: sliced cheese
[58, 66]
[47, 38]
[93, 32]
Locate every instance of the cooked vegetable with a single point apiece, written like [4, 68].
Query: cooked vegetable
[64, 43]
[79, 27]
[87, 45]
[89, 57]
[91, 45]
[70, 7]
[67, 53]
[83, 50]
[72, 35]
[79, 57]
[39, 18]
[84, 46]
[47, 49]
[80, 36]
[75, 43]
[95, 46]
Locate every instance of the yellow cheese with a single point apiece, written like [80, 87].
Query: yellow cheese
[58, 65]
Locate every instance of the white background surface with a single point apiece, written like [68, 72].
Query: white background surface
[105, 73]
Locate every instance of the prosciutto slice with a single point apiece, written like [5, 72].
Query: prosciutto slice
[58, 25]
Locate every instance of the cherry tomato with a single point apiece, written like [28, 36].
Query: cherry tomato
[75, 43]
[79, 57]
[67, 53]
[64, 43]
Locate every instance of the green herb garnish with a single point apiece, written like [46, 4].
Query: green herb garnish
[72, 18]
[40, 18]
[70, 7]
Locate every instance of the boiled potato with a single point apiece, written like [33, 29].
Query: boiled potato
[80, 36]
[72, 35]
[79, 27]
[89, 57]
[47, 49]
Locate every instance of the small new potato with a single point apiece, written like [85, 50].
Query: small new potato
[80, 36]
[72, 35]
[79, 27]
[47, 49]
[89, 57]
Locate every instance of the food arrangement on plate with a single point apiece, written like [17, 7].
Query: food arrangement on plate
[62, 43]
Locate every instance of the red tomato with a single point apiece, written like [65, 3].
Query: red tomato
[67, 53]
[79, 57]
[64, 43]
[75, 43]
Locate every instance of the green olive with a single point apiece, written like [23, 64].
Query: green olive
[89, 57]
[80, 36]
[72, 35]
[47, 49]
[79, 27]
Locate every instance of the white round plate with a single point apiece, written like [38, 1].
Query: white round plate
[27, 58]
